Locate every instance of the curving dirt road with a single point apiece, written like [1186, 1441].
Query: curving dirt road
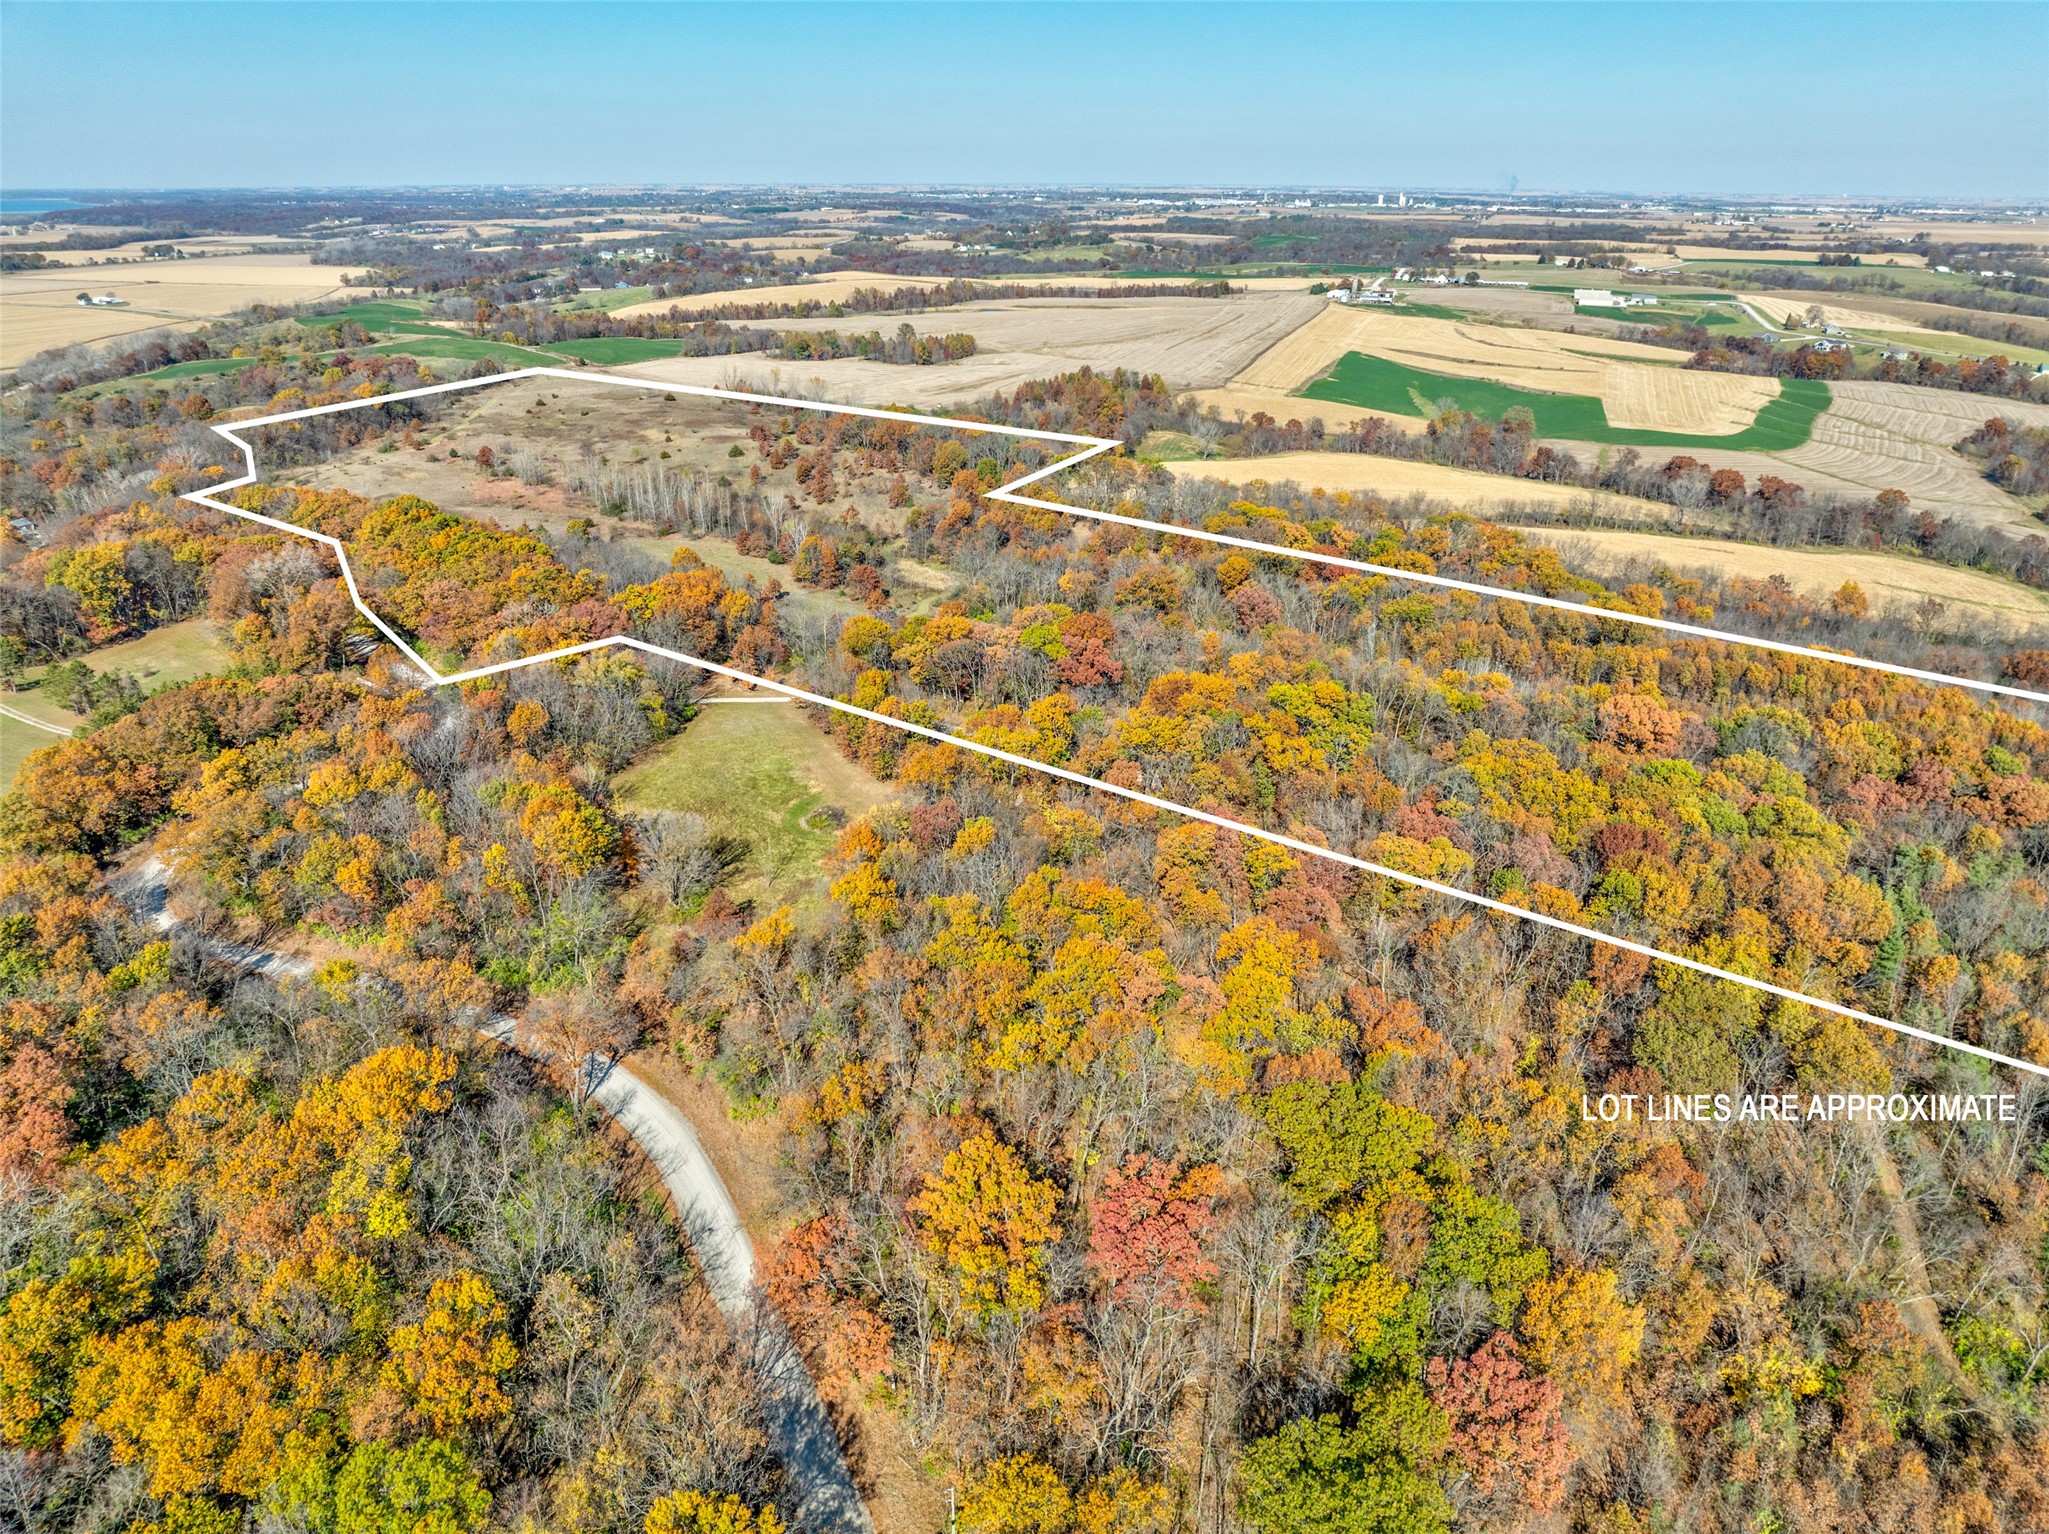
[799, 1425]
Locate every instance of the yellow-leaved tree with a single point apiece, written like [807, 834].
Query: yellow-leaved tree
[990, 1219]
[1581, 1333]
[446, 1367]
[696, 1512]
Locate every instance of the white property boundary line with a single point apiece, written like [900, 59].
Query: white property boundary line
[1091, 447]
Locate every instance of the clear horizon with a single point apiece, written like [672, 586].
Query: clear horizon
[1735, 100]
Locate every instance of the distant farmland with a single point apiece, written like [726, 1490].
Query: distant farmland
[1375, 383]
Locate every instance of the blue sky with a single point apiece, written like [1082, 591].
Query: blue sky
[1860, 99]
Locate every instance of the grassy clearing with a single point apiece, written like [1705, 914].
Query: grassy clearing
[165, 657]
[1948, 344]
[206, 367]
[1905, 281]
[763, 774]
[1374, 383]
[1169, 447]
[30, 701]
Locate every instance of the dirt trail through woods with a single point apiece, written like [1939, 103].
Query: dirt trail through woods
[799, 1426]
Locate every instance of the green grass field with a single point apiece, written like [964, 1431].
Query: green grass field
[445, 347]
[607, 350]
[1949, 344]
[1908, 281]
[1658, 314]
[1442, 312]
[1374, 383]
[164, 657]
[206, 367]
[17, 740]
[384, 314]
[762, 773]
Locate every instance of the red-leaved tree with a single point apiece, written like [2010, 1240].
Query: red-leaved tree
[1505, 1422]
[1147, 1229]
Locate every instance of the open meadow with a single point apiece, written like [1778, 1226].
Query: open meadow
[567, 440]
[831, 289]
[763, 773]
[560, 437]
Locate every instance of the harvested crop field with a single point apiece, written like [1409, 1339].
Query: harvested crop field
[200, 288]
[1940, 415]
[1891, 581]
[1872, 437]
[1508, 303]
[1889, 312]
[1882, 436]
[824, 290]
[1792, 309]
[1724, 253]
[40, 309]
[193, 247]
[848, 381]
[1615, 372]
[1191, 342]
[839, 286]
[1363, 473]
[32, 326]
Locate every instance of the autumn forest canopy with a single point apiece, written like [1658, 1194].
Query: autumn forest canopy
[1110, 1169]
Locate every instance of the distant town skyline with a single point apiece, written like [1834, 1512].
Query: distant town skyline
[1823, 100]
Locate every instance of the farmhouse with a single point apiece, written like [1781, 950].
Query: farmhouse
[1601, 298]
[99, 301]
